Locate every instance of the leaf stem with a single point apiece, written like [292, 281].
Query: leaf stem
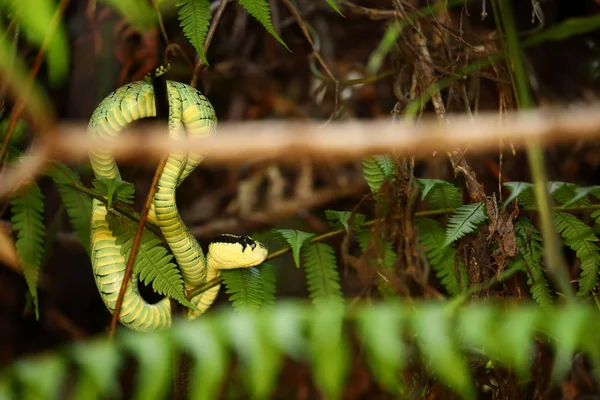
[552, 255]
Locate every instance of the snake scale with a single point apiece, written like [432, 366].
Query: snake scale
[191, 113]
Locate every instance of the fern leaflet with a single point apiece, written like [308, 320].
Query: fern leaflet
[334, 5]
[439, 194]
[78, 204]
[568, 193]
[448, 268]
[114, 190]
[376, 169]
[194, 16]
[322, 277]
[464, 220]
[343, 219]
[259, 9]
[522, 191]
[581, 239]
[295, 240]
[245, 287]
[28, 222]
[153, 261]
[529, 260]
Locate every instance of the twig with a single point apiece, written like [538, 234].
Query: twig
[316, 53]
[291, 141]
[209, 36]
[135, 246]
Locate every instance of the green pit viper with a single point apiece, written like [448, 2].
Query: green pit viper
[190, 113]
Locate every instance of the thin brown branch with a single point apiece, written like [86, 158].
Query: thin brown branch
[135, 246]
[316, 53]
[291, 141]
[209, 36]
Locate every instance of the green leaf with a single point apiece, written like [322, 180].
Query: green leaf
[328, 349]
[78, 204]
[322, 277]
[42, 377]
[295, 239]
[596, 216]
[508, 338]
[581, 239]
[568, 327]
[245, 287]
[153, 261]
[35, 18]
[376, 169]
[194, 17]
[139, 13]
[99, 362]
[464, 220]
[154, 355]
[431, 324]
[259, 9]
[442, 258]
[381, 331]
[522, 191]
[565, 29]
[114, 189]
[568, 193]
[28, 222]
[333, 5]
[203, 341]
[530, 259]
[258, 355]
[439, 194]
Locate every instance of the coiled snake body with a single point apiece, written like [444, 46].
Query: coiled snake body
[189, 112]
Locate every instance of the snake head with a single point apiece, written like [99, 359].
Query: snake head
[233, 251]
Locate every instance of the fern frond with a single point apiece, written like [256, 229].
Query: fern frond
[380, 328]
[77, 204]
[376, 169]
[440, 348]
[194, 17]
[448, 268]
[269, 288]
[295, 239]
[259, 9]
[596, 216]
[522, 191]
[464, 220]
[245, 287]
[322, 276]
[96, 360]
[567, 193]
[338, 219]
[114, 190]
[153, 262]
[439, 194]
[529, 260]
[582, 240]
[28, 222]
[316, 336]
